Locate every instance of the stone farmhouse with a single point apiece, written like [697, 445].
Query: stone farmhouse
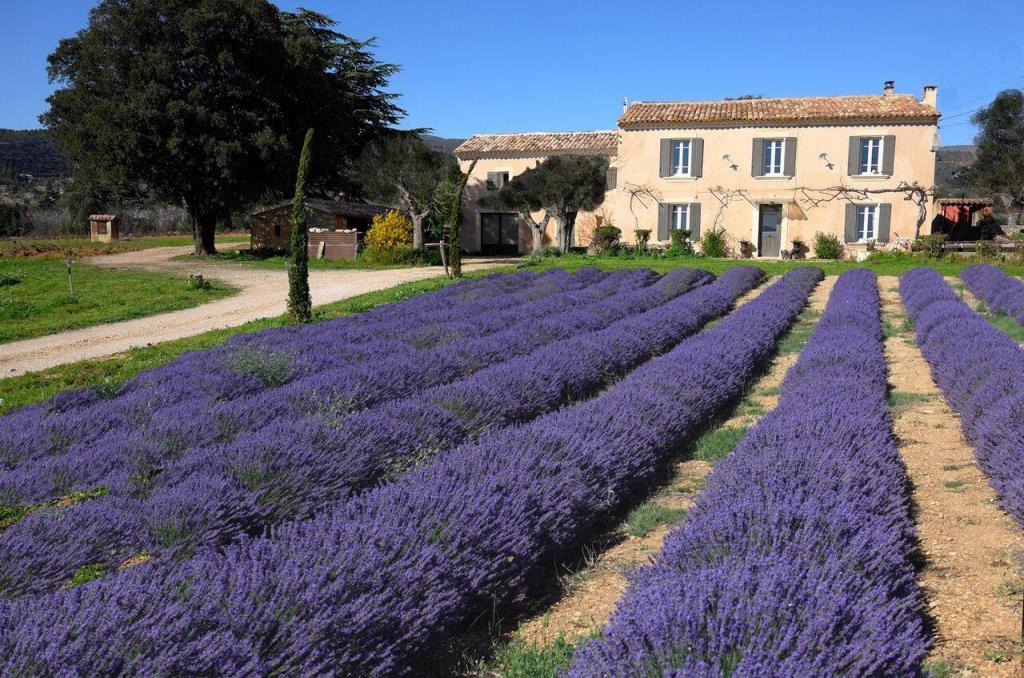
[767, 171]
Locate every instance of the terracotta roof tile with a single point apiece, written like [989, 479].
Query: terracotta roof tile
[539, 143]
[836, 108]
[348, 209]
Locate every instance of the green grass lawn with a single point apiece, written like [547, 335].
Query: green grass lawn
[86, 247]
[883, 265]
[278, 262]
[35, 298]
[115, 370]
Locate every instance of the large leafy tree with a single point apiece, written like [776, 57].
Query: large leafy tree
[561, 186]
[998, 167]
[206, 102]
[402, 171]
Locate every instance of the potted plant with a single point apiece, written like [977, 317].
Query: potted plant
[643, 237]
[799, 250]
[746, 249]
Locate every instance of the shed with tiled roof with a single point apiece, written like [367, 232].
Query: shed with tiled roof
[536, 144]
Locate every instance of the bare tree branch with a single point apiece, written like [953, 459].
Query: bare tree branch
[640, 193]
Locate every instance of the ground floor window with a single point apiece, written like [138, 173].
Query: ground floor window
[867, 222]
[680, 217]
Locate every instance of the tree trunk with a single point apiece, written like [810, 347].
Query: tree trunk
[566, 223]
[417, 230]
[538, 237]
[536, 228]
[204, 227]
[922, 214]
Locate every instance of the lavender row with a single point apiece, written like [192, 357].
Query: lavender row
[96, 442]
[981, 373]
[379, 583]
[219, 374]
[312, 349]
[212, 494]
[1002, 293]
[795, 560]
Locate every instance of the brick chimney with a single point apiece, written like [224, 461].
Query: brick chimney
[930, 97]
[890, 88]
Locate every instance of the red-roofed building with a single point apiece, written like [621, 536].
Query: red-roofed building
[744, 166]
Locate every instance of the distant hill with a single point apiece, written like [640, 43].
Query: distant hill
[949, 162]
[441, 144]
[30, 151]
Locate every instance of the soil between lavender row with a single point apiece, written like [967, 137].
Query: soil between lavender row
[970, 550]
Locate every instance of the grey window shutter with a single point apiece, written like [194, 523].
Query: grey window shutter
[888, 153]
[611, 179]
[697, 158]
[853, 162]
[884, 219]
[757, 164]
[790, 169]
[694, 221]
[666, 158]
[851, 223]
[493, 181]
[663, 219]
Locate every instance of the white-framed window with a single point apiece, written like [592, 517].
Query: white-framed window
[867, 222]
[871, 155]
[680, 217]
[774, 156]
[681, 158]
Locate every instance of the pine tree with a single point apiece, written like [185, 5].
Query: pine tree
[300, 306]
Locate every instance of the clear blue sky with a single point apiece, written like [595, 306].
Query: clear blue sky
[521, 65]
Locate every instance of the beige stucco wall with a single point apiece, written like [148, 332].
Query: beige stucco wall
[476, 187]
[637, 161]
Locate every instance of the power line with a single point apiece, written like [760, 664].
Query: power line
[975, 110]
[960, 115]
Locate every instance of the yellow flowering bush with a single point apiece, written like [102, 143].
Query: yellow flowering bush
[390, 231]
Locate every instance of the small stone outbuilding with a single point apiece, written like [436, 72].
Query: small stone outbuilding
[335, 224]
[103, 227]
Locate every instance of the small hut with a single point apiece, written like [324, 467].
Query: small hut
[334, 227]
[958, 217]
[103, 227]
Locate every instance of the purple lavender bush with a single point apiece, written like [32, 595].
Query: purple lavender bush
[378, 584]
[795, 560]
[980, 371]
[160, 420]
[250, 364]
[1002, 293]
[213, 493]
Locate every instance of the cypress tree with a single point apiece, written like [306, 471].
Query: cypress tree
[300, 306]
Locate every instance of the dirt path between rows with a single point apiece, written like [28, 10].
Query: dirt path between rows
[971, 548]
[592, 593]
[263, 294]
